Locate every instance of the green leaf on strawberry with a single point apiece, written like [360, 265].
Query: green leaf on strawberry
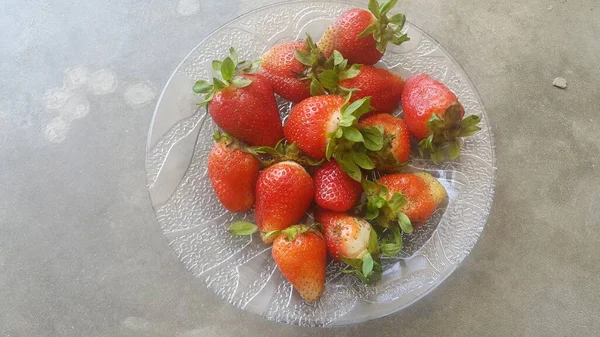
[391, 246]
[351, 146]
[368, 269]
[446, 131]
[279, 153]
[384, 210]
[385, 29]
[228, 72]
[373, 136]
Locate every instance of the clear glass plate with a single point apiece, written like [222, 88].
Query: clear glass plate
[240, 269]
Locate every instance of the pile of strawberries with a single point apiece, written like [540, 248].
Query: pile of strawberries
[338, 131]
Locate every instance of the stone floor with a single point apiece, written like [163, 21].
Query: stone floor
[80, 250]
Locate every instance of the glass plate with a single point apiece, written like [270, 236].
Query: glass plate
[240, 269]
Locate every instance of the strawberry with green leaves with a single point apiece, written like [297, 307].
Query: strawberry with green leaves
[232, 173]
[353, 241]
[385, 207]
[420, 195]
[362, 36]
[290, 67]
[434, 116]
[299, 252]
[240, 103]
[339, 78]
[284, 72]
[301, 255]
[283, 193]
[396, 148]
[334, 189]
[327, 127]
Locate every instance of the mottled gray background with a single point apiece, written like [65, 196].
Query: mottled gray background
[81, 253]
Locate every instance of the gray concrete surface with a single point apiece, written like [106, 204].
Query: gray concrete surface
[81, 254]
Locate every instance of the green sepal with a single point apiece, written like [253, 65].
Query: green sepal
[227, 74]
[383, 209]
[385, 29]
[281, 152]
[445, 132]
[368, 269]
[392, 246]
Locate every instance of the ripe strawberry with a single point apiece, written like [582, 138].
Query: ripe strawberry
[362, 36]
[283, 193]
[383, 86]
[334, 189]
[281, 68]
[434, 116]
[232, 173]
[351, 240]
[241, 104]
[301, 255]
[290, 67]
[422, 191]
[397, 139]
[326, 126]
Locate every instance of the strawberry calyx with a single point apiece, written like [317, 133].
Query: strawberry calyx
[367, 265]
[350, 145]
[384, 210]
[314, 62]
[385, 160]
[385, 29]
[325, 73]
[291, 232]
[228, 73]
[447, 130]
[335, 70]
[281, 152]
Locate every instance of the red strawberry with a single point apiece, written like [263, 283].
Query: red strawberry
[232, 173]
[301, 255]
[383, 86]
[356, 32]
[242, 105]
[434, 115]
[396, 132]
[283, 193]
[351, 240]
[326, 126]
[334, 189]
[422, 191]
[281, 68]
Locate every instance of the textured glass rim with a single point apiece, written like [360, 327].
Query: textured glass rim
[489, 125]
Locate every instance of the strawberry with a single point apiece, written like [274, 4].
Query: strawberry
[362, 36]
[242, 104]
[301, 255]
[327, 126]
[290, 67]
[422, 194]
[232, 173]
[383, 86]
[396, 138]
[281, 68]
[283, 193]
[351, 240]
[334, 189]
[434, 116]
